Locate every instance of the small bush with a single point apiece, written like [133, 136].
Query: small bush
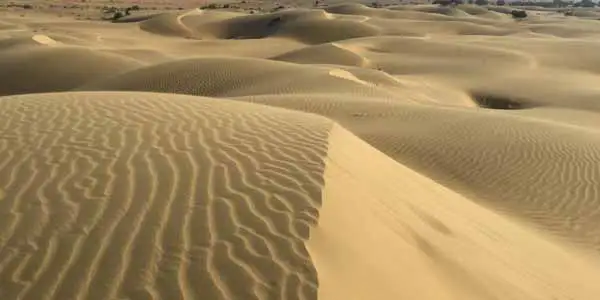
[210, 6]
[518, 14]
[274, 22]
[442, 2]
[117, 15]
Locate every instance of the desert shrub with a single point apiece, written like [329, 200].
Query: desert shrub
[584, 3]
[481, 2]
[210, 6]
[518, 14]
[109, 10]
[274, 22]
[117, 15]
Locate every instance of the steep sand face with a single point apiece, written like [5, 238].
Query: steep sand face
[111, 187]
[396, 234]
[50, 69]
[147, 196]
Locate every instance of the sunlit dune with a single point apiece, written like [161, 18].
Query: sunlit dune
[282, 151]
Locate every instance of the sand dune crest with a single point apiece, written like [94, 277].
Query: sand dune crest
[44, 40]
[451, 249]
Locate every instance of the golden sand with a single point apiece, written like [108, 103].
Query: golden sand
[344, 152]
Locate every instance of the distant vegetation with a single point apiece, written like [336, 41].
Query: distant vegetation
[115, 13]
[585, 3]
[210, 6]
[553, 4]
[519, 14]
[219, 6]
[24, 6]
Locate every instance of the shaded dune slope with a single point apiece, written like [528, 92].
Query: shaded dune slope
[56, 68]
[228, 77]
[320, 26]
[307, 26]
[329, 53]
[147, 196]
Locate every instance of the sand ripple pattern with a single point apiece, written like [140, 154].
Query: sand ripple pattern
[147, 196]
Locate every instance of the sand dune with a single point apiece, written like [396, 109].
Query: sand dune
[229, 77]
[142, 195]
[54, 68]
[444, 246]
[349, 152]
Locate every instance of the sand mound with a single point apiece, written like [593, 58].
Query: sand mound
[405, 55]
[442, 10]
[168, 24]
[450, 249]
[229, 77]
[308, 26]
[564, 32]
[399, 12]
[487, 153]
[7, 26]
[56, 68]
[44, 40]
[324, 54]
[138, 195]
[11, 43]
[327, 30]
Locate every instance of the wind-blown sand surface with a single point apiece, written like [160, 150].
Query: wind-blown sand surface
[407, 152]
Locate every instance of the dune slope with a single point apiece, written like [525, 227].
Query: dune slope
[147, 196]
[398, 235]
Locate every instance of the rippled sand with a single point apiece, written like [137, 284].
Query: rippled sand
[347, 152]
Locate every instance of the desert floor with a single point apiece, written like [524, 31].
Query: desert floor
[278, 151]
